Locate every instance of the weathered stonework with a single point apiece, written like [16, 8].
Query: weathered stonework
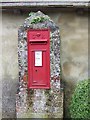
[39, 103]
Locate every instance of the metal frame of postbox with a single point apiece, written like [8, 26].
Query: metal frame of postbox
[38, 67]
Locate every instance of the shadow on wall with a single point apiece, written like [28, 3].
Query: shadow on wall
[68, 91]
[9, 89]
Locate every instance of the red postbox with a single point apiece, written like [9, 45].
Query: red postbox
[39, 58]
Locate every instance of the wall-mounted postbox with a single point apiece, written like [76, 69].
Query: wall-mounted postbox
[39, 58]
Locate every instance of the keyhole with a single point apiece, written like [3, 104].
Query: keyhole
[36, 70]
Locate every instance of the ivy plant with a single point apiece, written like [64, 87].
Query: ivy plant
[80, 102]
[38, 19]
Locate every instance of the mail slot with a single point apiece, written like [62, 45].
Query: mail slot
[38, 58]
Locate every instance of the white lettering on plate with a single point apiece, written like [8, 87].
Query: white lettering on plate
[38, 58]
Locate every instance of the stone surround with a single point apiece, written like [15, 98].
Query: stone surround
[39, 103]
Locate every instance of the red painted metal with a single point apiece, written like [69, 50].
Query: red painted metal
[38, 58]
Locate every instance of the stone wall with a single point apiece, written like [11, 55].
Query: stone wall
[74, 50]
[74, 47]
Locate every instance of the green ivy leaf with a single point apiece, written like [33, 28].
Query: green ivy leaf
[79, 107]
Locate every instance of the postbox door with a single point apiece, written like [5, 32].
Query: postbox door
[39, 76]
[38, 61]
